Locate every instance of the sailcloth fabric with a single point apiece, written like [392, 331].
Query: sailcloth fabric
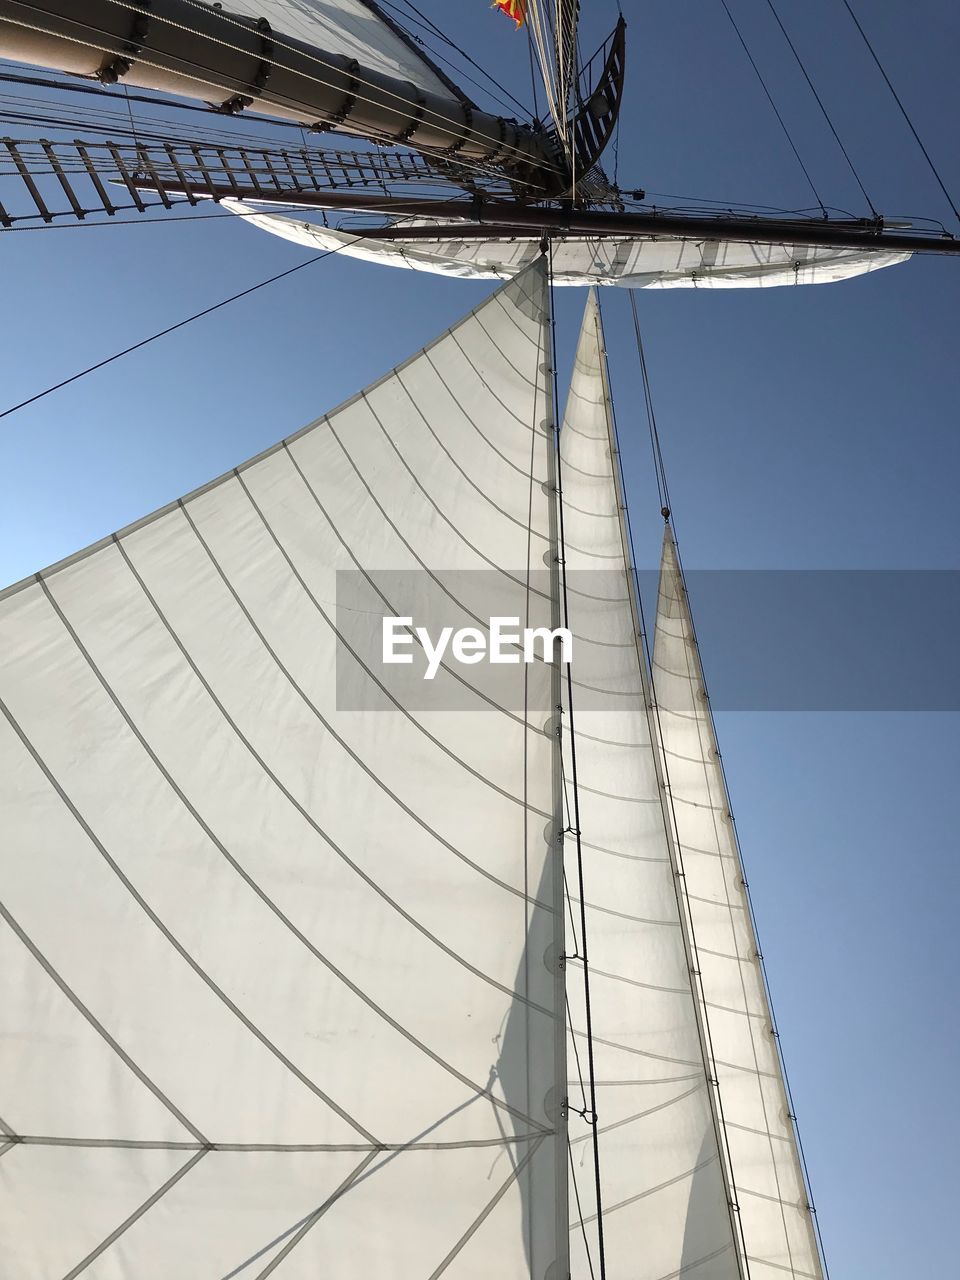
[661, 262]
[766, 1173]
[664, 1189]
[280, 981]
[354, 29]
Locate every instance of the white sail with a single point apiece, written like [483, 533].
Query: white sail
[353, 28]
[664, 1189]
[663, 262]
[280, 980]
[767, 1176]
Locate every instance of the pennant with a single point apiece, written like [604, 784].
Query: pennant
[515, 9]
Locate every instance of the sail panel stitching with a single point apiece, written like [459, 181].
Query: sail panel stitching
[137, 1214]
[489, 1207]
[337, 738]
[641, 1115]
[431, 574]
[661, 1186]
[155, 919]
[329, 841]
[280, 1148]
[284, 919]
[82, 1008]
[404, 711]
[315, 1217]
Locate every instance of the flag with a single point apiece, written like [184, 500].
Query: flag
[515, 9]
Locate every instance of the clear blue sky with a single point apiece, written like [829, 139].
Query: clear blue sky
[802, 428]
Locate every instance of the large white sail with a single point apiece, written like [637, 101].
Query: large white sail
[766, 1173]
[281, 980]
[354, 28]
[662, 262]
[664, 1189]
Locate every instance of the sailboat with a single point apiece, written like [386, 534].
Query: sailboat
[312, 964]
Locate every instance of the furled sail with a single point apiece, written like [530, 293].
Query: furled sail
[664, 1189]
[281, 979]
[634, 263]
[766, 1172]
[355, 28]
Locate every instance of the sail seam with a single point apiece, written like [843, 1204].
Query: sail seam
[690, 1266]
[281, 916]
[488, 1209]
[134, 1217]
[337, 738]
[86, 1013]
[174, 942]
[301, 809]
[434, 577]
[641, 1115]
[661, 1186]
[527, 525]
[280, 1148]
[404, 711]
[311, 1220]
[448, 520]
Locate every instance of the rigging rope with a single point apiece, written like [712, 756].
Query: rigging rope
[776, 110]
[430, 25]
[197, 315]
[439, 123]
[823, 109]
[584, 956]
[662, 490]
[903, 110]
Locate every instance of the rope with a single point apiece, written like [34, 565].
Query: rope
[162, 333]
[431, 26]
[823, 109]
[584, 954]
[440, 123]
[903, 110]
[661, 474]
[776, 110]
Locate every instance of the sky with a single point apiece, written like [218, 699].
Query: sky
[801, 428]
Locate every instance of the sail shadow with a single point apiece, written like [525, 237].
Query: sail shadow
[524, 1073]
[526, 1069]
[361, 1174]
[708, 1221]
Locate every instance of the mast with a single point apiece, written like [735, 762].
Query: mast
[559, 1108]
[234, 62]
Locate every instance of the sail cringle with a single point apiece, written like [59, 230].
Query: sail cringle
[665, 1206]
[281, 979]
[769, 1186]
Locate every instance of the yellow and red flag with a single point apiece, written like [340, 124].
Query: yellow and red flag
[515, 9]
